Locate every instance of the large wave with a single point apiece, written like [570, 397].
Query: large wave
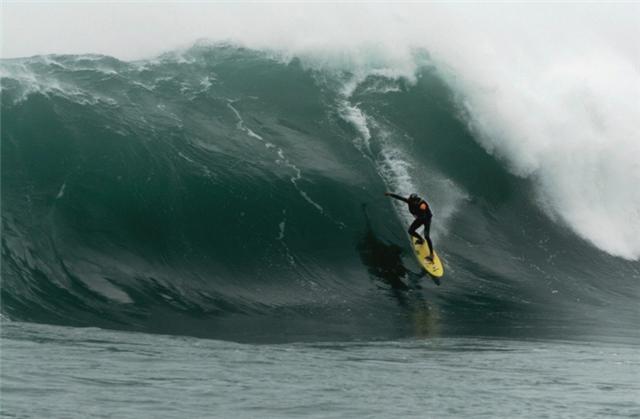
[237, 193]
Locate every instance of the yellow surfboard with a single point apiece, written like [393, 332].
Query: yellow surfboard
[434, 268]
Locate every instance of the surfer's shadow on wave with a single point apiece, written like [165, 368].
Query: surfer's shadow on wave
[386, 261]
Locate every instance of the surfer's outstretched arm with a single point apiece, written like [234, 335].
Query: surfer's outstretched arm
[392, 195]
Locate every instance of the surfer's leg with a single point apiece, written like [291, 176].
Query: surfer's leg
[413, 227]
[426, 232]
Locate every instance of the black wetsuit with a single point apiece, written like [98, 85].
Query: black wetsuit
[423, 217]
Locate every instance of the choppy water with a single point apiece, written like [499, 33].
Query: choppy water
[63, 372]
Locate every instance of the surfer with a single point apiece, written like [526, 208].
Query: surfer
[422, 213]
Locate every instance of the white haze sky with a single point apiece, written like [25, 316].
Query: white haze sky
[553, 89]
[130, 30]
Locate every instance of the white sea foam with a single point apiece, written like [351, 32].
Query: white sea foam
[405, 178]
[564, 114]
[281, 226]
[355, 116]
[282, 159]
[32, 83]
[61, 191]
[394, 166]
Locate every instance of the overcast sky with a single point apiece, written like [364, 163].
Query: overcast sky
[143, 29]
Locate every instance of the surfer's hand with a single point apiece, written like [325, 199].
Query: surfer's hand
[387, 193]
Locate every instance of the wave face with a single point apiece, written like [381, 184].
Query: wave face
[222, 192]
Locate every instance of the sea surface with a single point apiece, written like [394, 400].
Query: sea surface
[66, 372]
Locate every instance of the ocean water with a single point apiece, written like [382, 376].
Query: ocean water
[64, 372]
[204, 234]
[228, 193]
